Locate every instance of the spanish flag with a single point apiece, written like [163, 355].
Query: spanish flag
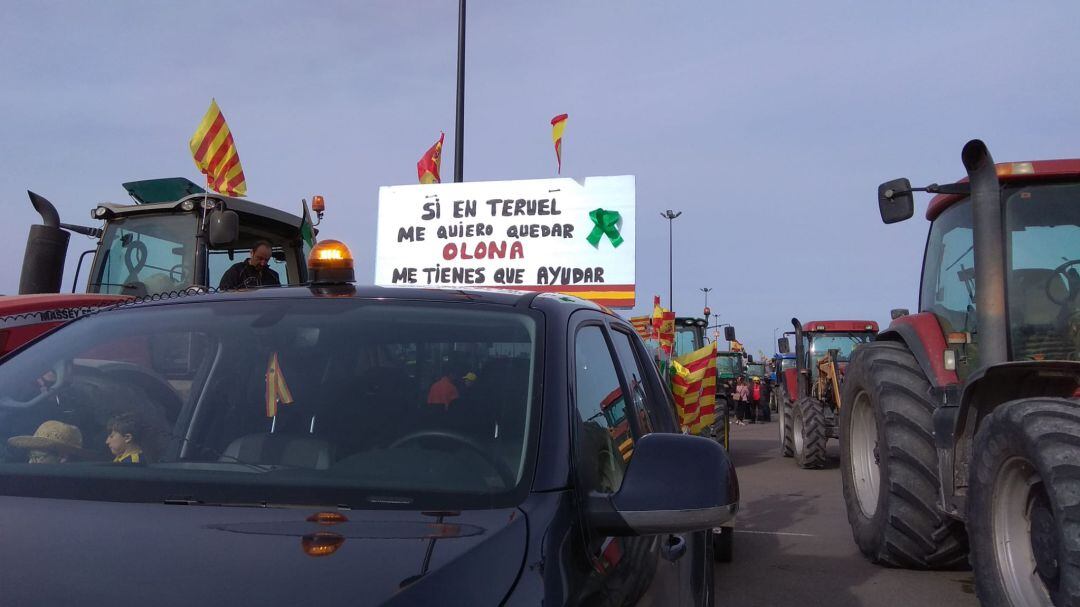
[558, 125]
[215, 154]
[427, 169]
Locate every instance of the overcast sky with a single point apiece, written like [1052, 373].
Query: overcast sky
[769, 125]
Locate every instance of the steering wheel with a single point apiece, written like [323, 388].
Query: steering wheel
[176, 273]
[1070, 288]
[500, 468]
[62, 370]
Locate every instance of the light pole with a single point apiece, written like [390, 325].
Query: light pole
[706, 290]
[774, 336]
[670, 216]
[459, 113]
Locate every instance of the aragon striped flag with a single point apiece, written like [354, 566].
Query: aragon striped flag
[214, 151]
[693, 385]
[427, 168]
[558, 125]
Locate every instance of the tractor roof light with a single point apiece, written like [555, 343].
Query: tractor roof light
[99, 213]
[1015, 168]
[187, 205]
[330, 262]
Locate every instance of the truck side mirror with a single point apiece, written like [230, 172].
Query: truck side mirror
[783, 345]
[224, 227]
[729, 333]
[895, 201]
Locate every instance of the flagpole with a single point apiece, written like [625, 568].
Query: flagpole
[459, 121]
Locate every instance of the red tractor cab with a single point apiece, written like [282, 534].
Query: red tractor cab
[809, 403]
[966, 413]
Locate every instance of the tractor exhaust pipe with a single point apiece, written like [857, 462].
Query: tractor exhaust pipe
[800, 364]
[46, 250]
[990, 308]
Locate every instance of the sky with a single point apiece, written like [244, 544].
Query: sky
[769, 125]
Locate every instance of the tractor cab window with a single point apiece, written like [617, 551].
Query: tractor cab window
[1043, 279]
[146, 255]
[844, 342]
[687, 339]
[948, 282]
[220, 262]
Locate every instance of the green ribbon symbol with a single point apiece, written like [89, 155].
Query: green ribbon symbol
[604, 224]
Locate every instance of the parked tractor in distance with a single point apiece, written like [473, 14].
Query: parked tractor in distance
[968, 412]
[809, 414]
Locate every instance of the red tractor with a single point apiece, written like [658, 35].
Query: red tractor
[961, 425]
[809, 401]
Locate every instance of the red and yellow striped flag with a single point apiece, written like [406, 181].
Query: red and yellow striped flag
[215, 154]
[693, 385]
[427, 168]
[663, 327]
[277, 391]
[558, 125]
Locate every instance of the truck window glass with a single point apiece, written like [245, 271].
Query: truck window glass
[604, 439]
[409, 401]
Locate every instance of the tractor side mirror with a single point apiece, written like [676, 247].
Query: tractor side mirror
[895, 200]
[898, 312]
[729, 333]
[224, 227]
[783, 345]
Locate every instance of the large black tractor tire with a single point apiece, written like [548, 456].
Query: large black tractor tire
[1024, 505]
[723, 544]
[888, 463]
[808, 432]
[787, 438]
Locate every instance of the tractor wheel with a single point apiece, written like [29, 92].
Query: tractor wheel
[1024, 508]
[723, 544]
[787, 438]
[808, 432]
[888, 463]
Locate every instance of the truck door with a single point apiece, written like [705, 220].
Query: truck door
[610, 399]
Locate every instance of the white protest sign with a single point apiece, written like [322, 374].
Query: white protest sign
[534, 235]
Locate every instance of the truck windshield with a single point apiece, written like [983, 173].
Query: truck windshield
[146, 255]
[311, 400]
[1043, 257]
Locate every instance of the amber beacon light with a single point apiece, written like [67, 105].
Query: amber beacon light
[330, 262]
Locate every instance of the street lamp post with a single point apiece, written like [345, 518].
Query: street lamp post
[706, 290]
[774, 336]
[459, 113]
[670, 216]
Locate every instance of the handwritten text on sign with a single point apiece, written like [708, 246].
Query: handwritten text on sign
[546, 234]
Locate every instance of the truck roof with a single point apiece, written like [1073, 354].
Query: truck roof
[829, 326]
[1013, 172]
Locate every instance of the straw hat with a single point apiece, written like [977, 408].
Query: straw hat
[53, 436]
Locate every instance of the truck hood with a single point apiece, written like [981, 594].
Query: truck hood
[67, 552]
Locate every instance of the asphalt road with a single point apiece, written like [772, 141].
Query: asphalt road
[793, 545]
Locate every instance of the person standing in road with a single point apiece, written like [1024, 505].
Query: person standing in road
[742, 401]
[766, 398]
[252, 272]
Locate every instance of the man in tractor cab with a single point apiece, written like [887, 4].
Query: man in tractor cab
[253, 272]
